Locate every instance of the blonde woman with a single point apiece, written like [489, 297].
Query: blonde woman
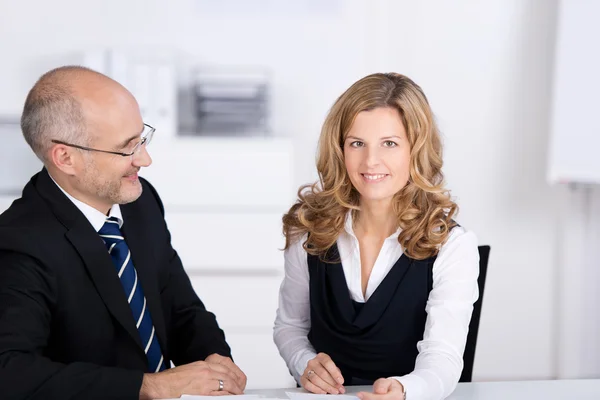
[379, 280]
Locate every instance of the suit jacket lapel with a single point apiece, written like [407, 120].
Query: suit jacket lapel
[91, 248]
[138, 238]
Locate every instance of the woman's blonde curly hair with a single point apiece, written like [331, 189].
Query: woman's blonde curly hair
[423, 207]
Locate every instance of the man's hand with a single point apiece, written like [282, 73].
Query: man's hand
[229, 364]
[384, 389]
[321, 376]
[199, 378]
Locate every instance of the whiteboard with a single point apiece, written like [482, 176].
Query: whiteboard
[574, 154]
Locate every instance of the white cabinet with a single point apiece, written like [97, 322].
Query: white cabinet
[219, 240]
[258, 357]
[240, 302]
[245, 309]
[230, 173]
[224, 199]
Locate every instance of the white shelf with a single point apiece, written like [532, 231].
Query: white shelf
[228, 172]
[241, 303]
[205, 241]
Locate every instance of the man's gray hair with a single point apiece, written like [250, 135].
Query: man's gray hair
[52, 112]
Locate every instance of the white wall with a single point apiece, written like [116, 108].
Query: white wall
[486, 67]
[573, 159]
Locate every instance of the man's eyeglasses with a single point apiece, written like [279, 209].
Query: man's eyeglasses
[146, 139]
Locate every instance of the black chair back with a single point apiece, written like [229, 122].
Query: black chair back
[469, 355]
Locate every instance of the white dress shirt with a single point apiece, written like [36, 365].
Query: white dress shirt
[96, 218]
[449, 307]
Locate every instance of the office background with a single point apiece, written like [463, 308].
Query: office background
[488, 69]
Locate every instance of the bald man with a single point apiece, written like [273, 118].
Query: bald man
[94, 301]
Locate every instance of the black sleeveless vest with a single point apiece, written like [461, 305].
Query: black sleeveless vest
[371, 340]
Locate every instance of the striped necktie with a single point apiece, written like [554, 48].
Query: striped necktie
[121, 257]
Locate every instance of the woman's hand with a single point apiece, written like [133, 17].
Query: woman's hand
[321, 376]
[384, 389]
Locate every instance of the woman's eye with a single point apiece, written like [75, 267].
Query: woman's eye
[389, 143]
[357, 144]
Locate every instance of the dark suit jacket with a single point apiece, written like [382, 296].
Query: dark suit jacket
[66, 329]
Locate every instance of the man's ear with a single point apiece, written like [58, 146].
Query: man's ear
[64, 158]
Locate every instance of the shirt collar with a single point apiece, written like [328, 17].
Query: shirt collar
[95, 217]
[350, 230]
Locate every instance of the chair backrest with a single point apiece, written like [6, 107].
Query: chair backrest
[469, 355]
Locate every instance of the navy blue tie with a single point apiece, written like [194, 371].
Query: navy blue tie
[121, 257]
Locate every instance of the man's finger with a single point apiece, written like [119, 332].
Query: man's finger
[229, 382]
[217, 367]
[236, 371]
[231, 386]
[222, 369]
[221, 393]
[229, 364]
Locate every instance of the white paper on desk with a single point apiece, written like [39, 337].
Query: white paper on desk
[226, 397]
[313, 396]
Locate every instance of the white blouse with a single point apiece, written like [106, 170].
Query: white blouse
[449, 307]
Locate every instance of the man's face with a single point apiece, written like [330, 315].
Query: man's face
[115, 125]
[111, 178]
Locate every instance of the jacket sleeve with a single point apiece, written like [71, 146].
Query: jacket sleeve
[27, 297]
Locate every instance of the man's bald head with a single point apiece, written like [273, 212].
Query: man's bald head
[54, 108]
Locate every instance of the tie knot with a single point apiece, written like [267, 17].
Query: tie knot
[110, 230]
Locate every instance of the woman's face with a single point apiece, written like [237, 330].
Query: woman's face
[377, 154]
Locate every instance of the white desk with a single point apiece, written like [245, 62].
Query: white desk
[525, 390]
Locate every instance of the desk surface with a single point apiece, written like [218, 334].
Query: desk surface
[522, 390]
